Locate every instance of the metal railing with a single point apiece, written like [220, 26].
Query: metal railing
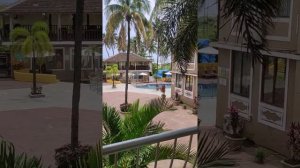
[136, 144]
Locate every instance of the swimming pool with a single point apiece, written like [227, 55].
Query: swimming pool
[152, 85]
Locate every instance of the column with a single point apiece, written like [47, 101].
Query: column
[58, 26]
[11, 25]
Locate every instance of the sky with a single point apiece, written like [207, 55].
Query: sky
[110, 52]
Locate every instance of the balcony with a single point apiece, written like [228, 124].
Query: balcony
[66, 32]
[114, 150]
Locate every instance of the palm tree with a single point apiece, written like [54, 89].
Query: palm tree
[9, 158]
[179, 19]
[35, 42]
[112, 70]
[138, 123]
[126, 12]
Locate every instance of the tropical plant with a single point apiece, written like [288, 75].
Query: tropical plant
[235, 122]
[127, 12]
[260, 155]
[10, 159]
[34, 43]
[136, 124]
[112, 70]
[294, 143]
[251, 19]
[179, 24]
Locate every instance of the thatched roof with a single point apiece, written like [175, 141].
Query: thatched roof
[52, 6]
[121, 57]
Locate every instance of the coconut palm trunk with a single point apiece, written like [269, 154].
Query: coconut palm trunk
[77, 72]
[128, 18]
[34, 91]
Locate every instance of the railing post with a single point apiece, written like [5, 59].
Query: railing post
[58, 27]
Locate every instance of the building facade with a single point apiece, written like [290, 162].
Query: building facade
[140, 68]
[185, 85]
[60, 17]
[266, 94]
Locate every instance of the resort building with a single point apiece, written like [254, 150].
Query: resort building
[140, 68]
[60, 17]
[266, 95]
[185, 85]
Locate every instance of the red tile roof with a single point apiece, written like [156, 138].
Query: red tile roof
[52, 6]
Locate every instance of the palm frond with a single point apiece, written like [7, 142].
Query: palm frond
[211, 150]
[19, 34]
[251, 20]
[111, 123]
[40, 26]
[9, 158]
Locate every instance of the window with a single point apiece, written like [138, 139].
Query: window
[285, 9]
[273, 81]
[189, 83]
[56, 61]
[178, 82]
[86, 60]
[241, 67]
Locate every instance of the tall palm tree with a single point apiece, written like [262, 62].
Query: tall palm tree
[77, 73]
[34, 43]
[122, 13]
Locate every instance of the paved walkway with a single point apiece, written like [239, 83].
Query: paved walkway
[38, 126]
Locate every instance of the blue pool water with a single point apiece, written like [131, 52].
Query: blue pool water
[152, 85]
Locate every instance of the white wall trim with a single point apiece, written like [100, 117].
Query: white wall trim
[234, 96]
[236, 47]
[275, 109]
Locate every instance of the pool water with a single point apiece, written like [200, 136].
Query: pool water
[152, 85]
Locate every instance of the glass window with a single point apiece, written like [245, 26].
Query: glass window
[273, 81]
[86, 60]
[241, 67]
[178, 82]
[285, 8]
[56, 61]
[189, 83]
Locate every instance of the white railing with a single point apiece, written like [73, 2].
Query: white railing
[136, 144]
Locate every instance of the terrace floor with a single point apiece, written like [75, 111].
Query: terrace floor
[39, 126]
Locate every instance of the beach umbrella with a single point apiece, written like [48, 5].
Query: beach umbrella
[168, 73]
[143, 74]
[208, 50]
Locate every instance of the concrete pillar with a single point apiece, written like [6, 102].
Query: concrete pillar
[58, 26]
[11, 24]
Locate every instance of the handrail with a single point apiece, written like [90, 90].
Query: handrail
[148, 140]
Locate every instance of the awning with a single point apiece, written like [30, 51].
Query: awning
[208, 50]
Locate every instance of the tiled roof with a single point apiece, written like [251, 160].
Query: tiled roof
[121, 57]
[52, 6]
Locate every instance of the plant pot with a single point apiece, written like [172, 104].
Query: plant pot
[124, 107]
[36, 95]
[235, 144]
[285, 164]
[176, 102]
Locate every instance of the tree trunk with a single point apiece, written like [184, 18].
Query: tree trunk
[33, 73]
[157, 62]
[77, 73]
[127, 62]
[100, 99]
[113, 81]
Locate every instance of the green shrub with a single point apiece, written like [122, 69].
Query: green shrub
[260, 155]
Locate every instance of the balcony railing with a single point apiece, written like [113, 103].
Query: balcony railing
[113, 150]
[66, 32]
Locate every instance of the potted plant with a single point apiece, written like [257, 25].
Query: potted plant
[293, 146]
[234, 128]
[176, 99]
[260, 155]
